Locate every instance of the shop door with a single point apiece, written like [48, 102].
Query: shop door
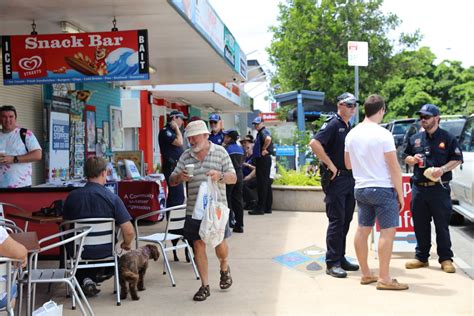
[158, 119]
[28, 101]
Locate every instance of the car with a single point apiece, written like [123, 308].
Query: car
[451, 123]
[462, 185]
[399, 127]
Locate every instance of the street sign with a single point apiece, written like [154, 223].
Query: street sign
[358, 53]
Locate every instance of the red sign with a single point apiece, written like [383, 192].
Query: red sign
[269, 117]
[52, 58]
[141, 197]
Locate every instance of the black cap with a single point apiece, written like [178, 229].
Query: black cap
[232, 133]
[178, 114]
[347, 98]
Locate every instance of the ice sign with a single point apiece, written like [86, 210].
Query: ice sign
[358, 53]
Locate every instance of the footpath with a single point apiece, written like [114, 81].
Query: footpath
[278, 269]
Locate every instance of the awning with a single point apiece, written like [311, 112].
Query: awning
[182, 49]
[209, 97]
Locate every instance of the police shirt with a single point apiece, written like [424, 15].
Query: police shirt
[246, 170]
[438, 148]
[169, 152]
[217, 139]
[236, 154]
[332, 136]
[262, 134]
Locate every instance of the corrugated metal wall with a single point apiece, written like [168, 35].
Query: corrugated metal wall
[28, 100]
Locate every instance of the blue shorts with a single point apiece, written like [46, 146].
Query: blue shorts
[380, 203]
[3, 301]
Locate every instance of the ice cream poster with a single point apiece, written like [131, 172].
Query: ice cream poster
[80, 57]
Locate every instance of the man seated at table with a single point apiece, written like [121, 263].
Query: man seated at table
[96, 201]
[11, 249]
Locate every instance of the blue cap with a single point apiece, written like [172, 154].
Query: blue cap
[214, 117]
[257, 120]
[429, 109]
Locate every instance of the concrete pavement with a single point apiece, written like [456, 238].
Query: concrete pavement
[263, 286]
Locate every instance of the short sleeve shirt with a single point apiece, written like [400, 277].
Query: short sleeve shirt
[332, 136]
[95, 201]
[216, 159]
[438, 148]
[217, 139]
[236, 154]
[170, 152]
[262, 134]
[17, 175]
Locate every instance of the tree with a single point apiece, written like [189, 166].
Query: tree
[309, 47]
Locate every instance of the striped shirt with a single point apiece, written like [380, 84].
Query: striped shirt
[217, 159]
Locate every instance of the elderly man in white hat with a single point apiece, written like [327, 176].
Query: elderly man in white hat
[209, 160]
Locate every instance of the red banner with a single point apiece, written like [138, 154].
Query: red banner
[52, 58]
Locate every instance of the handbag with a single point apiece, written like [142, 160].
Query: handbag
[49, 309]
[201, 201]
[216, 216]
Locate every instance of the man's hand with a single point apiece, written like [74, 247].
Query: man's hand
[214, 174]
[333, 170]
[184, 176]
[401, 202]
[437, 172]
[6, 159]
[413, 160]
[125, 246]
[174, 125]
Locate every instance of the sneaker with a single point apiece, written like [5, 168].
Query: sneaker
[89, 288]
[416, 264]
[447, 266]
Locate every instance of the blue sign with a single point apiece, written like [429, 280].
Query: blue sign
[60, 135]
[285, 150]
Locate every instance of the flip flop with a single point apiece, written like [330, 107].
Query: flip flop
[368, 279]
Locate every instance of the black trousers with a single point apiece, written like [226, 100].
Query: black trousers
[175, 194]
[340, 204]
[250, 191]
[235, 202]
[264, 183]
[432, 203]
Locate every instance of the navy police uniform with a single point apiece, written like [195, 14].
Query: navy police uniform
[170, 155]
[217, 138]
[339, 197]
[432, 199]
[263, 165]
[234, 191]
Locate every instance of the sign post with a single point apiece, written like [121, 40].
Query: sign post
[357, 55]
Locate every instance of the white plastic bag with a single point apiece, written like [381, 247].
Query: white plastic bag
[201, 201]
[49, 309]
[214, 222]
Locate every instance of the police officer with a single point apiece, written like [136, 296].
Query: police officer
[171, 146]
[234, 191]
[215, 125]
[328, 146]
[262, 151]
[434, 147]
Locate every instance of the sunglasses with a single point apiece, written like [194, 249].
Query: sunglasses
[425, 117]
[350, 106]
[212, 122]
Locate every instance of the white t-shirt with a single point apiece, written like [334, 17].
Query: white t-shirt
[366, 144]
[16, 175]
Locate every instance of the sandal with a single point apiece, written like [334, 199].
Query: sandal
[368, 279]
[202, 294]
[226, 279]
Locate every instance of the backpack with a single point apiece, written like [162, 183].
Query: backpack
[23, 132]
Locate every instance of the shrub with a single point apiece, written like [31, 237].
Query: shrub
[305, 176]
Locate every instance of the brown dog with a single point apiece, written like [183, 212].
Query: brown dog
[132, 268]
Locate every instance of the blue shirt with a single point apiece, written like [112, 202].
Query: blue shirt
[332, 136]
[170, 153]
[262, 134]
[95, 201]
[438, 149]
[236, 154]
[246, 170]
[217, 139]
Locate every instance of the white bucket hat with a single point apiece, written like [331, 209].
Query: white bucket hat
[195, 128]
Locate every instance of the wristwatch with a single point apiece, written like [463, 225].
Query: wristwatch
[15, 159]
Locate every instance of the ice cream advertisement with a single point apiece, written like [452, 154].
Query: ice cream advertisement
[81, 57]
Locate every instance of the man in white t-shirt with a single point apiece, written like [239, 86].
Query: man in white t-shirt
[11, 249]
[370, 153]
[18, 149]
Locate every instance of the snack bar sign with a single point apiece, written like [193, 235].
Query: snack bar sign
[81, 57]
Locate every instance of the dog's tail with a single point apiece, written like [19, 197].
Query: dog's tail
[129, 275]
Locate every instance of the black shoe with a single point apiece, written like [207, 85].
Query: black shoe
[268, 212]
[347, 266]
[255, 212]
[336, 272]
[238, 230]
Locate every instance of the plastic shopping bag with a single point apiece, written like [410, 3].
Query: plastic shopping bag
[201, 201]
[49, 309]
[215, 219]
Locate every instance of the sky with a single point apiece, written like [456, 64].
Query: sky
[447, 27]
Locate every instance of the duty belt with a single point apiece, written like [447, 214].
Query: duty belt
[346, 173]
[429, 183]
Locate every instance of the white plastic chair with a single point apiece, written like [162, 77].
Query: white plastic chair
[9, 279]
[76, 236]
[2, 213]
[103, 233]
[174, 221]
